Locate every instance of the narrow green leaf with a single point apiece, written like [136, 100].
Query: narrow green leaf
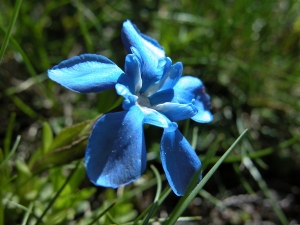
[57, 194]
[24, 107]
[163, 196]
[161, 220]
[209, 156]
[184, 201]
[12, 152]
[212, 199]
[67, 146]
[23, 168]
[254, 154]
[28, 211]
[60, 156]
[111, 219]
[70, 134]
[264, 187]
[243, 180]
[10, 28]
[29, 67]
[186, 127]
[47, 137]
[18, 205]
[158, 191]
[103, 213]
[83, 28]
[8, 135]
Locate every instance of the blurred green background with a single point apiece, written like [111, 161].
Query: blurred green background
[246, 52]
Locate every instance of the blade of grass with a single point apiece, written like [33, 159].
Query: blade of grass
[164, 195]
[29, 67]
[255, 154]
[10, 28]
[264, 187]
[24, 107]
[158, 192]
[209, 155]
[58, 193]
[180, 219]
[13, 150]
[243, 180]
[8, 134]
[102, 213]
[18, 205]
[184, 201]
[83, 28]
[28, 211]
[112, 220]
[186, 127]
[25, 85]
[195, 137]
[212, 199]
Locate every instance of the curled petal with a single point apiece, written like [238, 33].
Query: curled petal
[131, 36]
[129, 99]
[189, 88]
[122, 90]
[116, 153]
[149, 50]
[162, 97]
[87, 73]
[176, 111]
[204, 115]
[132, 69]
[172, 74]
[179, 160]
[157, 119]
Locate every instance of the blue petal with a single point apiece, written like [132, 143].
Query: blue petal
[162, 97]
[172, 74]
[157, 119]
[176, 111]
[132, 69]
[150, 51]
[116, 152]
[131, 36]
[129, 99]
[189, 88]
[87, 73]
[179, 160]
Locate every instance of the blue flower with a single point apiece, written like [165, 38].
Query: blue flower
[154, 93]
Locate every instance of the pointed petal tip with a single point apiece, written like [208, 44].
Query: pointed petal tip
[179, 160]
[203, 117]
[86, 73]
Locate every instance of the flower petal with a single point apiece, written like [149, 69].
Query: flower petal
[129, 98]
[176, 111]
[157, 119]
[189, 88]
[172, 74]
[179, 160]
[116, 152]
[150, 51]
[131, 36]
[87, 73]
[132, 69]
[162, 97]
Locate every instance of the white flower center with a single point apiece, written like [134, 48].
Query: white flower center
[142, 101]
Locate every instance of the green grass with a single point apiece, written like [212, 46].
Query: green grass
[246, 52]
